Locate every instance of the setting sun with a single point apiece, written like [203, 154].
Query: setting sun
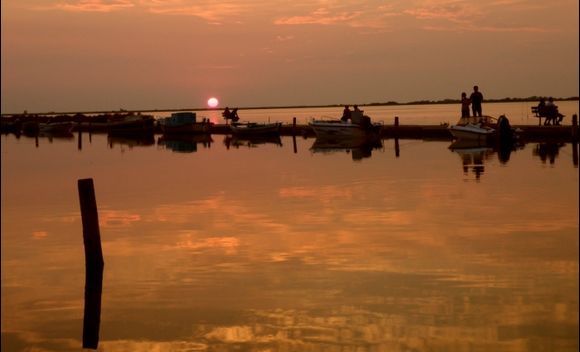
[212, 102]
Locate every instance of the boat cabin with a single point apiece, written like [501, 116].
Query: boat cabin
[183, 117]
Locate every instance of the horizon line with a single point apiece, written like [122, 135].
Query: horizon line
[389, 103]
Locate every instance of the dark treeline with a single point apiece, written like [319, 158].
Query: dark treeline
[456, 101]
[388, 103]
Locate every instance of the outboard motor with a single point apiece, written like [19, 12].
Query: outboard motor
[504, 129]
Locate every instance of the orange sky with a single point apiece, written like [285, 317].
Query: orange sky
[145, 54]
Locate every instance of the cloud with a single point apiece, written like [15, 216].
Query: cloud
[460, 15]
[359, 16]
[212, 12]
[94, 5]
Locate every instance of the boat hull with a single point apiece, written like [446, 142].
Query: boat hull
[255, 129]
[471, 132]
[346, 130]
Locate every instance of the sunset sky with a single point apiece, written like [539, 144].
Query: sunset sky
[152, 54]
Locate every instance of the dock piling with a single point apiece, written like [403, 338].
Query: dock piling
[94, 263]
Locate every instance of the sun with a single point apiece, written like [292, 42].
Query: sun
[212, 102]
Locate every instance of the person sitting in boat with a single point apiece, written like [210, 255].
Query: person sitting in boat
[356, 116]
[227, 114]
[346, 114]
[234, 115]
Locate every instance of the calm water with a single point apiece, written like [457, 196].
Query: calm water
[255, 247]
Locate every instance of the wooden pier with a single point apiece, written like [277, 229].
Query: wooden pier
[562, 133]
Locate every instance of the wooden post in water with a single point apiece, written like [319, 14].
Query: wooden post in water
[575, 140]
[397, 150]
[575, 153]
[93, 263]
[294, 126]
[80, 140]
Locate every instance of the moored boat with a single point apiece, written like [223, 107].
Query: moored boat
[358, 127]
[55, 127]
[483, 129]
[471, 131]
[184, 122]
[131, 124]
[255, 128]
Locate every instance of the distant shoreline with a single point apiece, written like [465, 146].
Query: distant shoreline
[389, 103]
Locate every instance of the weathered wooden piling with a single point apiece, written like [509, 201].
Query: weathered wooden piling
[575, 153]
[294, 144]
[94, 263]
[80, 140]
[294, 126]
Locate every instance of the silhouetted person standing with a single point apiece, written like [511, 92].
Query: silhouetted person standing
[465, 102]
[476, 100]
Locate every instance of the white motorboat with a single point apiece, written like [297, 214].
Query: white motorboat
[472, 128]
[359, 127]
[471, 131]
[483, 128]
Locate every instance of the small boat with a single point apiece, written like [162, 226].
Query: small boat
[358, 127]
[254, 128]
[10, 125]
[131, 124]
[55, 127]
[471, 131]
[483, 129]
[184, 122]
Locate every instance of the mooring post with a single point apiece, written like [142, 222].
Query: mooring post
[93, 263]
[80, 140]
[294, 144]
[575, 153]
[294, 126]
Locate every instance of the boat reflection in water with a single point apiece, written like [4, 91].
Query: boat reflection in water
[248, 141]
[359, 148]
[131, 140]
[183, 143]
[472, 154]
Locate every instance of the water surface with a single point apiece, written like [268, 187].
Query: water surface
[249, 245]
